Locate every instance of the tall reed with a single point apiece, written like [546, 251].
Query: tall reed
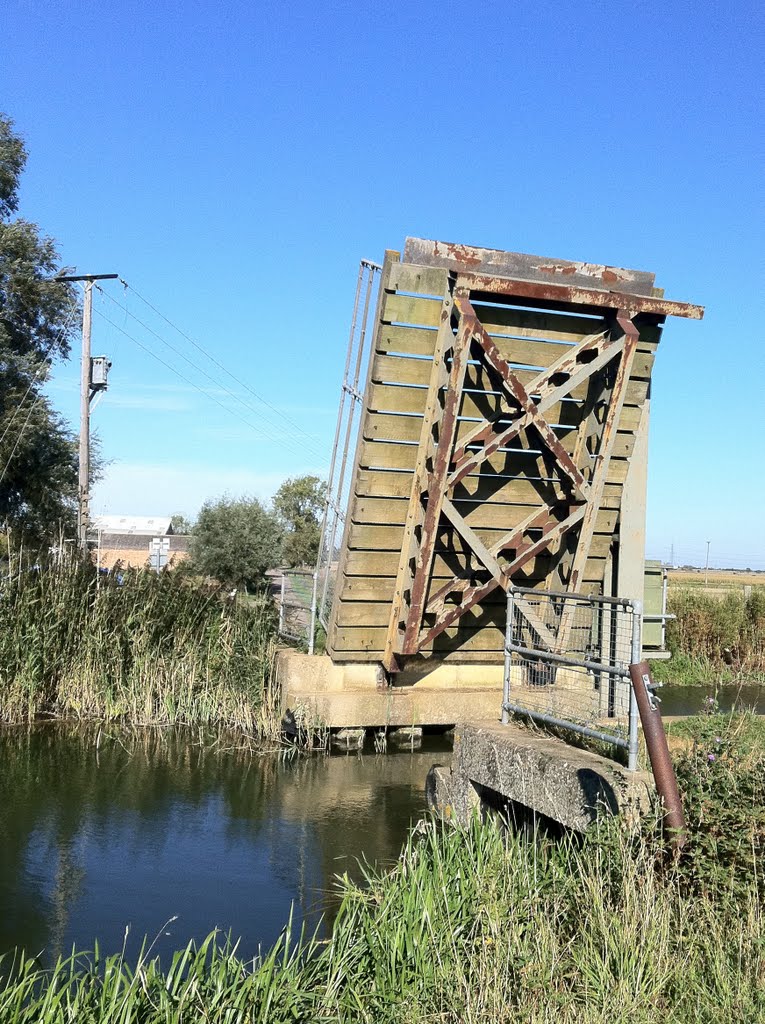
[715, 638]
[146, 647]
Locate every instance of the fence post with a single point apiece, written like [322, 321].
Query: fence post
[636, 656]
[508, 655]
[281, 606]
[312, 626]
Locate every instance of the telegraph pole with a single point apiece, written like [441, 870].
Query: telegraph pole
[706, 567]
[83, 486]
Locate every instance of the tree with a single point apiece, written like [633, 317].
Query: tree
[236, 541]
[38, 316]
[299, 504]
[181, 524]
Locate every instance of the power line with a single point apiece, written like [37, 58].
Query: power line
[220, 365]
[188, 380]
[32, 408]
[217, 383]
[54, 341]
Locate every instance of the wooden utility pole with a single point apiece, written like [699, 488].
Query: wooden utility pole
[83, 479]
[83, 486]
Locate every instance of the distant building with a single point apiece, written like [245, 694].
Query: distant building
[137, 541]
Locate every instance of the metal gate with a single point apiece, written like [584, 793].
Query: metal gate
[567, 663]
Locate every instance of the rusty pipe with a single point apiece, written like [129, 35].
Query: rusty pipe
[658, 751]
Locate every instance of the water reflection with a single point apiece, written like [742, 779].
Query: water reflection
[689, 700]
[102, 831]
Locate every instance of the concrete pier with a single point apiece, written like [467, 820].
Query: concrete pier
[340, 695]
[538, 772]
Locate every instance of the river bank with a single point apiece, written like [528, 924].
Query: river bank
[480, 924]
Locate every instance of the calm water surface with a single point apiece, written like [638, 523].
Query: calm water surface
[689, 700]
[100, 833]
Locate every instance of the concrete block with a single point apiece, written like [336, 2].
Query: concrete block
[348, 739]
[406, 736]
[542, 773]
[317, 673]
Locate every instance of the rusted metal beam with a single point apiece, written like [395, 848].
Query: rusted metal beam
[472, 595]
[607, 438]
[598, 482]
[575, 366]
[520, 396]
[591, 299]
[524, 266]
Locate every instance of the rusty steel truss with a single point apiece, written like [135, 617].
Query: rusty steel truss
[466, 356]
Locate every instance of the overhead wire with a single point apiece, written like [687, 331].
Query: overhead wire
[193, 384]
[38, 372]
[32, 408]
[221, 366]
[217, 383]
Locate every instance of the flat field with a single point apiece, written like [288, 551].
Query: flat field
[719, 581]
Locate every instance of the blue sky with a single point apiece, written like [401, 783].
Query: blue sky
[233, 162]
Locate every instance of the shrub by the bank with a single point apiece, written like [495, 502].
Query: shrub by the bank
[133, 644]
[721, 775]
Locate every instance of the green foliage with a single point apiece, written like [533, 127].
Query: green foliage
[236, 541]
[133, 644]
[722, 779]
[714, 638]
[38, 454]
[181, 524]
[299, 504]
[472, 925]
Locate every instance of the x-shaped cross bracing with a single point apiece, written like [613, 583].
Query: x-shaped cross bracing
[444, 462]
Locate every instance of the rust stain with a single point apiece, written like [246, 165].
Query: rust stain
[461, 253]
[609, 275]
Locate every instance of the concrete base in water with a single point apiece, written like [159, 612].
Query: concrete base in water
[540, 773]
[341, 695]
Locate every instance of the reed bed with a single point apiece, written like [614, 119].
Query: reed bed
[479, 924]
[133, 645]
[713, 638]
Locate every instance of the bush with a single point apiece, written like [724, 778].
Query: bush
[710, 636]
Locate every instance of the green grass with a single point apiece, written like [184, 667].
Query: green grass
[143, 647]
[472, 925]
[476, 924]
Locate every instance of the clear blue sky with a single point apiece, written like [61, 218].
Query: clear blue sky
[234, 161]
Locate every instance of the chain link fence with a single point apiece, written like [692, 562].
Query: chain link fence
[567, 659]
[296, 609]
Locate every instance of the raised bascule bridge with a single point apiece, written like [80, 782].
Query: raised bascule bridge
[499, 404]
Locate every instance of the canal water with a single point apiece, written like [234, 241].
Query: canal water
[113, 836]
[690, 700]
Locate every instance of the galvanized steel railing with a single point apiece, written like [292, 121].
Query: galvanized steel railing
[346, 429]
[297, 613]
[567, 663]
